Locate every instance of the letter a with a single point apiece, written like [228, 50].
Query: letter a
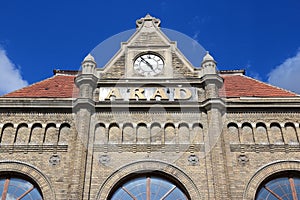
[114, 92]
[160, 93]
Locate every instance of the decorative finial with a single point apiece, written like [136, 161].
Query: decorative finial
[89, 57]
[208, 65]
[208, 57]
[149, 20]
[148, 16]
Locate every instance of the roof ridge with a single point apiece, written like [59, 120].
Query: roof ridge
[232, 72]
[268, 84]
[65, 72]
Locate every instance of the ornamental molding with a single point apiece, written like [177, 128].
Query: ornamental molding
[55, 103]
[164, 148]
[261, 113]
[265, 148]
[19, 148]
[39, 114]
[192, 114]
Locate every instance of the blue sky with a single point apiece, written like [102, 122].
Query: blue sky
[262, 37]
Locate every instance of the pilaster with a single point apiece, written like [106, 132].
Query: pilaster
[84, 108]
[213, 138]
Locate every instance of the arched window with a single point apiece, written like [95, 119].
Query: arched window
[284, 186]
[148, 188]
[15, 187]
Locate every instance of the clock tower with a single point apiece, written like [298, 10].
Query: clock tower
[153, 108]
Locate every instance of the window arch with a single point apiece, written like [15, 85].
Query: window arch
[284, 185]
[148, 187]
[14, 186]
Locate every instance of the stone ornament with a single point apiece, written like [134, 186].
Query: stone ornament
[193, 159]
[54, 160]
[104, 159]
[243, 159]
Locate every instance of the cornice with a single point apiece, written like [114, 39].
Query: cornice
[14, 103]
[266, 103]
[230, 104]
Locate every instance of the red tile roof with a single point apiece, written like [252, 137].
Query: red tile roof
[58, 86]
[235, 85]
[244, 86]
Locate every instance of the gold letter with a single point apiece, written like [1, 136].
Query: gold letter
[114, 92]
[178, 94]
[161, 93]
[137, 94]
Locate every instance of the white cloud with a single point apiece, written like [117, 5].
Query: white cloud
[10, 76]
[287, 75]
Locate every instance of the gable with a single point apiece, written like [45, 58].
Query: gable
[148, 39]
[116, 70]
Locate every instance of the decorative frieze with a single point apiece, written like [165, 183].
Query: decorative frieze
[32, 148]
[35, 134]
[265, 148]
[134, 148]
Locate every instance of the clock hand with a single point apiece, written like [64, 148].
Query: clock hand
[147, 63]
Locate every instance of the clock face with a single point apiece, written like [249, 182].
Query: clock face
[148, 65]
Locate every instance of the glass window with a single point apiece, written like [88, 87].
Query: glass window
[17, 188]
[148, 188]
[285, 188]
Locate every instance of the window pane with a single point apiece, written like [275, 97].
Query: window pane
[279, 188]
[176, 194]
[19, 187]
[137, 188]
[159, 188]
[120, 194]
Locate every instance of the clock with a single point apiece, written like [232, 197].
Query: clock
[148, 64]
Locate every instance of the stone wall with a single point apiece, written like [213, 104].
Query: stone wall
[256, 140]
[41, 146]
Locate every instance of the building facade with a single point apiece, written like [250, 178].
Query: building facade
[150, 125]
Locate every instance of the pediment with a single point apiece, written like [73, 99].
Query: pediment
[148, 38]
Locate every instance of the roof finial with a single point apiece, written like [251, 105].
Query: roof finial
[149, 20]
[207, 57]
[148, 16]
[89, 57]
